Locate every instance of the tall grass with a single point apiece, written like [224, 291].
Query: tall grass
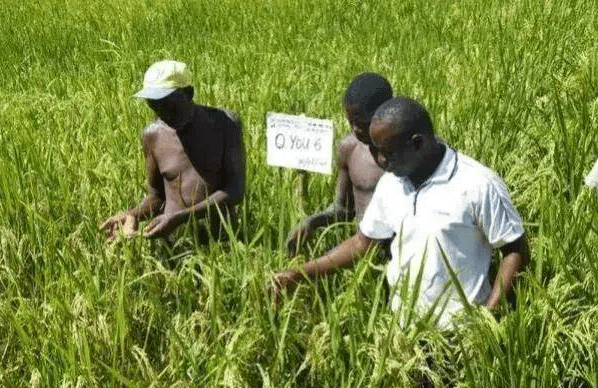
[513, 84]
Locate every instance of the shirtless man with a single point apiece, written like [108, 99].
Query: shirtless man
[194, 158]
[446, 214]
[358, 171]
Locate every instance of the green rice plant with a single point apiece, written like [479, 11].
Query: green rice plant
[511, 84]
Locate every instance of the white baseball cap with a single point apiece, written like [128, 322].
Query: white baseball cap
[163, 78]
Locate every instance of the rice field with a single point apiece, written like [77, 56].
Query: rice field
[512, 84]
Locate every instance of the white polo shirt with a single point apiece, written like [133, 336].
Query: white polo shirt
[463, 210]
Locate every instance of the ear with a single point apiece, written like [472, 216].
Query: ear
[418, 141]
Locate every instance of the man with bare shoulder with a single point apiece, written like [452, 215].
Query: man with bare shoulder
[358, 171]
[446, 214]
[194, 157]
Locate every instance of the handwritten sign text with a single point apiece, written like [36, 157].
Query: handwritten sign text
[299, 142]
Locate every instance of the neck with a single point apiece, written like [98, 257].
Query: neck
[431, 164]
[179, 118]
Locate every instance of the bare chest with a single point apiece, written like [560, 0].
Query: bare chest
[363, 170]
[175, 159]
[170, 156]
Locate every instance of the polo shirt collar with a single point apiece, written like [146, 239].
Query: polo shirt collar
[447, 167]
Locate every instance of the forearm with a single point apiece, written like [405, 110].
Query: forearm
[334, 213]
[342, 256]
[507, 274]
[218, 199]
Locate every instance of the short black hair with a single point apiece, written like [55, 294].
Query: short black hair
[366, 93]
[408, 114]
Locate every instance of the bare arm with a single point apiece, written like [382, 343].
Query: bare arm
[151, 204]
[342, 256]
[342, 209]
[231, 194]
[516, 257]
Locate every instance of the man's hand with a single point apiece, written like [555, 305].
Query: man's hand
[162, 226]
[297, 237]
[124, 221]
[284, 281]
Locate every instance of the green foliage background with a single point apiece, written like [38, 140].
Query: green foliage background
[513, 84]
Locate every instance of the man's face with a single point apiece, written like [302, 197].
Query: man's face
[397, 152]
[169, 108]
[360, 126]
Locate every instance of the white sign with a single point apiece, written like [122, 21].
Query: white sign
[299, 142]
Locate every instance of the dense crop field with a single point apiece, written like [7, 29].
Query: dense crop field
[513, 84]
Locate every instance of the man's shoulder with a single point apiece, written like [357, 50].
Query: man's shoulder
[345, 149]
[475, 174]
[389, 180]
[475, 168]
[219, 117]
[153, 132]
[154, 128]
[348, 144]
[232, 116]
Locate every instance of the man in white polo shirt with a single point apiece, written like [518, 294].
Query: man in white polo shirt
[446, 212]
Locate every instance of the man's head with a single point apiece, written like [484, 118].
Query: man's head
[167, 90]
[363, 96]
[163, 78]
[403, 135]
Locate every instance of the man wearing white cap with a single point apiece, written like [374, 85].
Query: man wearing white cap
[194, 157]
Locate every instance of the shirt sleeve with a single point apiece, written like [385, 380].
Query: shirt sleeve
[375, 223]
[497, 216]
